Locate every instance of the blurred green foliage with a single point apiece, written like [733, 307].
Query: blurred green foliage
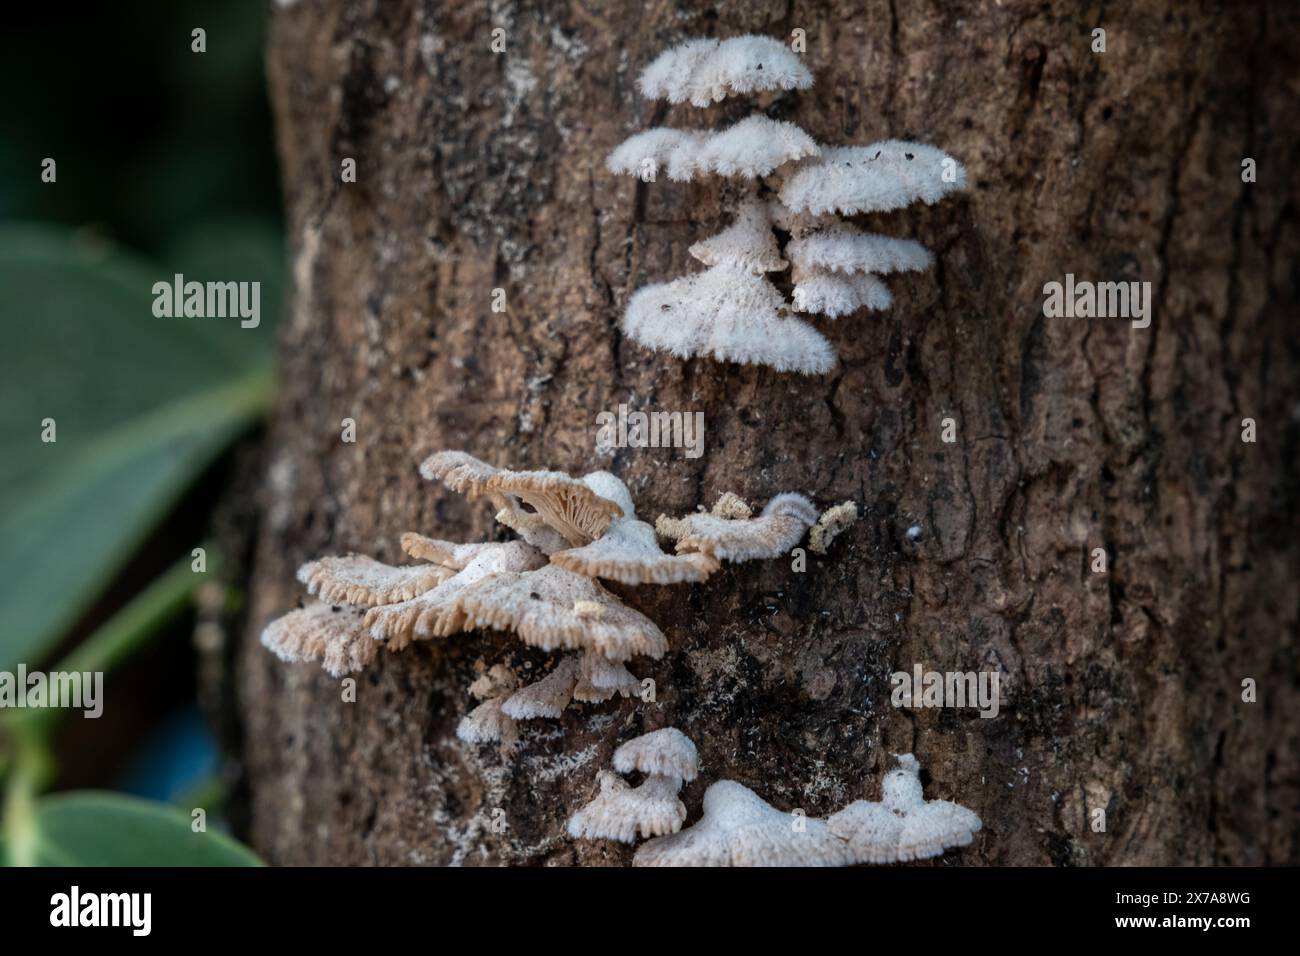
[166, 153]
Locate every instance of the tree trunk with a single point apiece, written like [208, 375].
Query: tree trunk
[1121, 690]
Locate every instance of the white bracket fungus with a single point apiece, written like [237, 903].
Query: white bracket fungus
[779, 527]
[543, 588]
[619, 812]
[732, 313]
[904, 825]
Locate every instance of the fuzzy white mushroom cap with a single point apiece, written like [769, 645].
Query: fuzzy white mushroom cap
[664, 753]
[362, 581]
[335, 636]
[488, 723]
[774, 532]
[845, 248]
[730, 315]
[834, 295]
[877, 178]
[552, 608]
[620, 812]
[707, 71]
[754, 147]
[739, 828]
[662, 149]
[904, 825]
[748, 243]
[602, 678]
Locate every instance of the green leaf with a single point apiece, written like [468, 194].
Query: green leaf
[141, 405]
[90, 828]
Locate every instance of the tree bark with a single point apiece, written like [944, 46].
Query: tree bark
[1121, 690]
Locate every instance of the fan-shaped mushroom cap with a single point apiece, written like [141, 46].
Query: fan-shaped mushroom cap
[547, 697]
[754, 147]
[335, 636]
[566, 504]
[904, 825]
[748, 243]
[438, 613]
[644, 154]
[835, 295]
[830, 525]
[881, 177]
[629, 553]
[774, 532]
[449, 554]
[488, 723]
[668, 75]
[738, 828]
[728, 314]
[601, 679]
[359, 580]
[706, 71]
[845, 248]
[551, 608]
[663, 753]
[459, 471]
[619, 812]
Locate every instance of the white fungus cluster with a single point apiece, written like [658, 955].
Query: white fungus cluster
[732, 312]
[544, 588]
[739, 828]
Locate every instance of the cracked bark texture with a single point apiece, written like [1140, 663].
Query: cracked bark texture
[1121, 690]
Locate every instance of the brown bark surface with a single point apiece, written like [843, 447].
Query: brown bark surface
[1120, 690]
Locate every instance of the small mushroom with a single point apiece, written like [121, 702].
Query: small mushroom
[706, 71]
[629, 553]
[739, 828]
[335, 636]
[834, 295]
[754, 147]
[600, 679]
[774, 532]
[547, 697]
[661, 753]
[731, 505]
[748, 243]
[438, 613]
[621, 812]
[904, 825]
[845, 248]
[359, 580]
[488, 722]
[539, 606]
[830, 525]
[880, 177]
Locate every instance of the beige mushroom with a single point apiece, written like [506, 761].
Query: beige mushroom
[566, 504]
[739, 828]
[547, 697]
[629, 552]
[830, 525]
[438, 613]
[773, 533]
[731, 505]
[359, 580]
[541, 607]
[449, 554]
[600, 679]
[488, 722]
[335, 636]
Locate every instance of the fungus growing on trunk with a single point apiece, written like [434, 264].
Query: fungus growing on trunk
[830, 525]
[719, 315]
[335, 636]
[668, 759]
[488, 722]
[903, 825]
[739, 828]
[549, 604]
[773, 533]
